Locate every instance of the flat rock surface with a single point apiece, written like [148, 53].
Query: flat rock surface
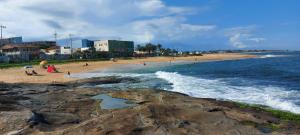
[69, 109]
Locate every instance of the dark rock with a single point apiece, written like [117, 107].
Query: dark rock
[137, 131]
[36, 118]
[264, 129]
[4, 89]
[61, 118]
[183, 123]
[215, 110]
[58, 84]
[112, 80]
[274, 121]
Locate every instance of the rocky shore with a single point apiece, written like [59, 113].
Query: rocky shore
[70, 109]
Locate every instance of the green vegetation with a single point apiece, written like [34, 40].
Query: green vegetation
[97, 108]
[283, 115]
[10, 65]
[37, 62]
[274, 127]
[250, 123]
[271, 126]
[156, 49]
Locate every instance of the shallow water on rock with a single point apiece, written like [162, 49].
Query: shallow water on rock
[109, 102]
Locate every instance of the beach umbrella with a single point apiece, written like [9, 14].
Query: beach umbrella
[44, 62]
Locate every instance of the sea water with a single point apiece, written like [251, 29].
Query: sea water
[271, 79]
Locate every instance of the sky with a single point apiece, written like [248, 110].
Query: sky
[178, 24]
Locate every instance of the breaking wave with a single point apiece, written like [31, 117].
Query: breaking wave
[275, 97]
[271, 56]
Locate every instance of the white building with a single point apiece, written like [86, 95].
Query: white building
[52, 50]
[65, 50]
[84, 49]
[101, 46]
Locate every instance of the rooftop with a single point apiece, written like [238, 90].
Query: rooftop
[11, 46]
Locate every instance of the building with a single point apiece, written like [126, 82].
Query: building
[3, 58]
[12, 40]
[115, 48]
[20, 52]
[41, 44]
[65, 50]
[52, 50]
[82, 43]
[85, 43]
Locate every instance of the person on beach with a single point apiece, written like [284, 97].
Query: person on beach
[69, 73]
[52, 69]
[28, 74]
[34, 73]
[31, 74]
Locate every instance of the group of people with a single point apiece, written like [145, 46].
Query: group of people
[49, 68]
[31, 72]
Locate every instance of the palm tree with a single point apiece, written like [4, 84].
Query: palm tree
[138, 47]
[148, 48]
[159, 47]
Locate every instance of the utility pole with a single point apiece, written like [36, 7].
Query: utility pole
[2, 27]
[71, 42]
[55, 37]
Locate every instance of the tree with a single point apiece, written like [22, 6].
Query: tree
[92, 51]
[138, 47]
[150, 48]
[159, 47]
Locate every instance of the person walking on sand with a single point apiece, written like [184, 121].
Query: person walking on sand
[69, 73]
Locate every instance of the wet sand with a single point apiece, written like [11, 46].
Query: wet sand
[17, 75]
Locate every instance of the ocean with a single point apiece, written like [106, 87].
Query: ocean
[272, 79]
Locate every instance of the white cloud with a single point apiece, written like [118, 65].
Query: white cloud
[191, 27]
[257, 40]
[236, 41]
[139, 20]
[242, 37]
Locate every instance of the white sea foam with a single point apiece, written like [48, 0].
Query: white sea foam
[272, 56]
[275, 97]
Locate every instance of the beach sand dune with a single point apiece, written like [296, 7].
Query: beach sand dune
[17, 75]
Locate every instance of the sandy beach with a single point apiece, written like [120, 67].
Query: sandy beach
[17, 75]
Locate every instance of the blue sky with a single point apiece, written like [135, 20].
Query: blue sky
[179, 24]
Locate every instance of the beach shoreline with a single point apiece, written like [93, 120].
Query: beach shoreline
[65, 107]
[17, 74]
